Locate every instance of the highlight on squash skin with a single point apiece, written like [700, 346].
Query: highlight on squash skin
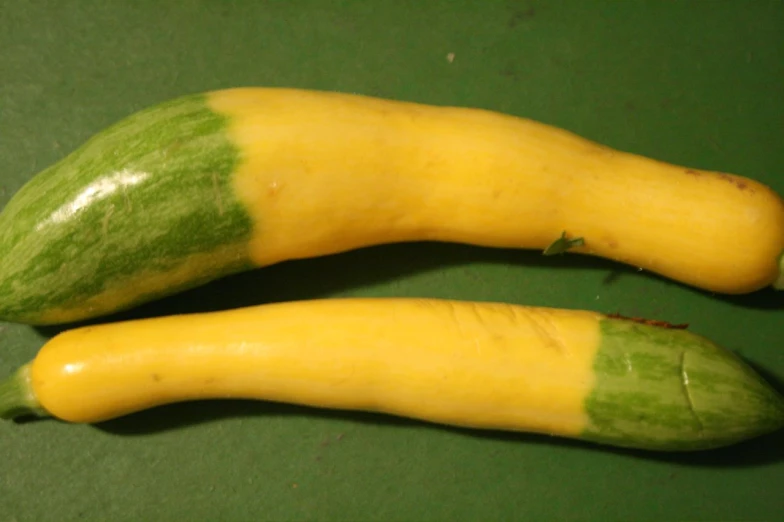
[568, 373]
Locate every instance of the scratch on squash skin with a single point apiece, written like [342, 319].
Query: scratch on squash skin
[651, 322]
[127, 199]
[687, 391]
[218, 197]
[459, 326]
[738, 182]
[105, 222]
[547, 332]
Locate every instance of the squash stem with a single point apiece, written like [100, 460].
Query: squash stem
[17, 398]
[779, 283]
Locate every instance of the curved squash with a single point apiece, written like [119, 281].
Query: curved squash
[569, 373]
[211, 184]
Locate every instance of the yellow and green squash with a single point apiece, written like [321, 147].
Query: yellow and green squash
[216, 183]
[566, 373]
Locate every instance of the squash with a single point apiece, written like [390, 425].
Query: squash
[476, 365]
[216, 183]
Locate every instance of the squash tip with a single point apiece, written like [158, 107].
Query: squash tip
[778, 284]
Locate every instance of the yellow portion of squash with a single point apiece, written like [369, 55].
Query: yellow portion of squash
[482, 365]
[325, 172]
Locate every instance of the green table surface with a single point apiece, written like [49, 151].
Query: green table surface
[698, 83]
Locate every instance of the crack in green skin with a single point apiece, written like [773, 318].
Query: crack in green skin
[672, 390]
[142, 210]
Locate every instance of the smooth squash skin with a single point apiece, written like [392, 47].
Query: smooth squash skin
[212, 184]
[329, 172]
[569, 373]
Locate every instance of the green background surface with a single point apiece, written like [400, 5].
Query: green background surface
[698, 83]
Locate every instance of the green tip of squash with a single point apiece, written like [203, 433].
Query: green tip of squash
[17, 398]
[757, 407]
[680, 391]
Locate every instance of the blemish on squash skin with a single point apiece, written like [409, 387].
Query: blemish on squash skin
[156, 377]
[650, 322]
[740, 183]
[735, 181]
[545, 328]
[105, 221]
[176, 145]
[127, 199]
[273, 189]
